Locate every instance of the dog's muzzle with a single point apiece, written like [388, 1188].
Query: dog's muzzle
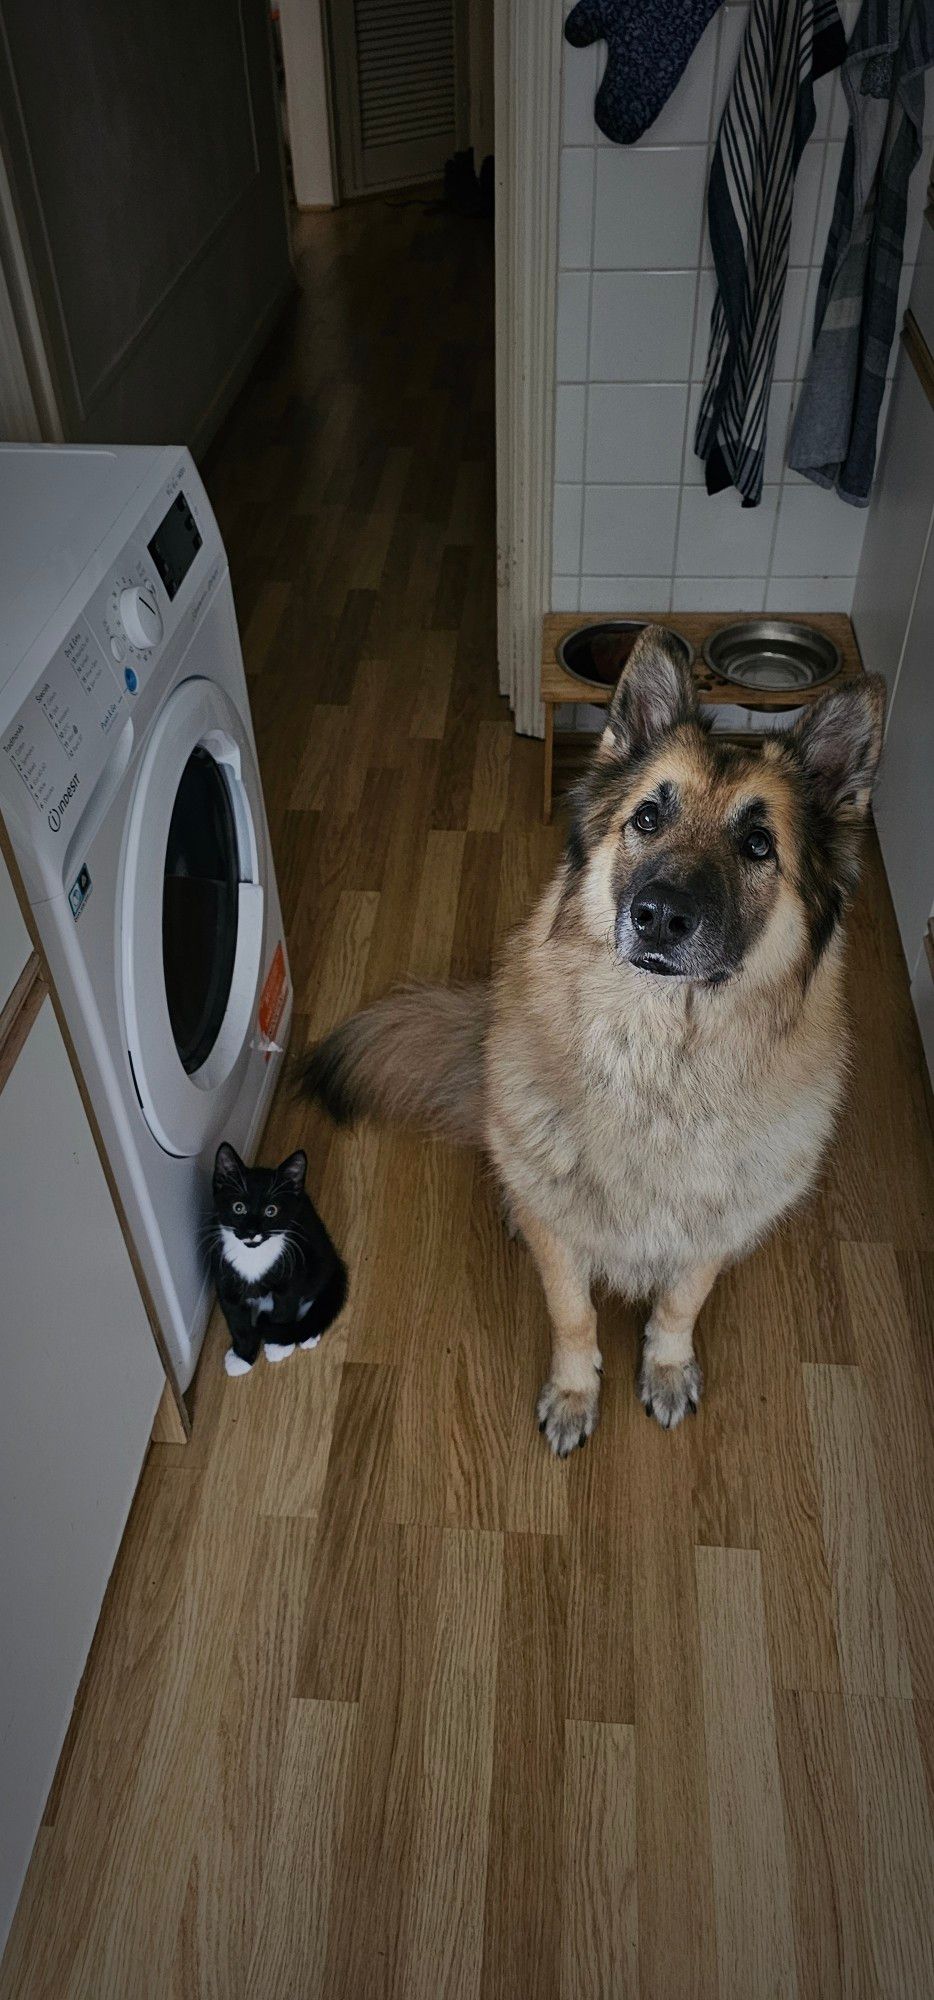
[676, 928]
[655, 929]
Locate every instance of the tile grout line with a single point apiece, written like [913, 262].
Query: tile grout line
[566, 147]
[587, 381]
[699, 266]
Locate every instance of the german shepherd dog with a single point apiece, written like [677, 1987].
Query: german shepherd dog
[656, 1067]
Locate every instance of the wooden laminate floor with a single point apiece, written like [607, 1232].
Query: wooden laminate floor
[384, 1700]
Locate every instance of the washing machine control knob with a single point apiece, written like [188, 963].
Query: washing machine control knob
[140, 616]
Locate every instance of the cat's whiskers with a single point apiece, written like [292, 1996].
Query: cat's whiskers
[290, 1248]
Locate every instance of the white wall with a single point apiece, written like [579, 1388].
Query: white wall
[633, 525]
[303, 55]
[893, 614]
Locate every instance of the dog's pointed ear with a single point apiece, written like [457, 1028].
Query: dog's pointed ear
[838, 740]
[654, 693]
[228, 1168]
[291, 1173]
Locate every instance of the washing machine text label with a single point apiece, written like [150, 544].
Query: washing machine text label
[60, 736]
[55, 816]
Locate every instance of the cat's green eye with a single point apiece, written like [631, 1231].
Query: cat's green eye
[239, 1208]
[272, 1209]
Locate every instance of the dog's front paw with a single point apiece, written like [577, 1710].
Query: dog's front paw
[668, 1392]
[567, 1417]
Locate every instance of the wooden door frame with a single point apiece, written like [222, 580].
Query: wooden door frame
[345, 150]
[29, 410]
[307, 65]
[527, 93]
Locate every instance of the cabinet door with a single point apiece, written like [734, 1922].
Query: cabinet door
[15, 947]
[142, 143]
[922, 993]
[81, 1380]
[897, 529]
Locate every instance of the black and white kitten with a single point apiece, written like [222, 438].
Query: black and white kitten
[279, 1279]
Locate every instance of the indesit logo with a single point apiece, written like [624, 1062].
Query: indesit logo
[55, 815]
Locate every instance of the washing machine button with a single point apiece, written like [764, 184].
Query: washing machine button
[140, 616]
[132, 682]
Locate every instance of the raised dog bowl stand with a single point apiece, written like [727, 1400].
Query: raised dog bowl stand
[563, 690]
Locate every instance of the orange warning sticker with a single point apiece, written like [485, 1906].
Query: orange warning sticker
[273, 997]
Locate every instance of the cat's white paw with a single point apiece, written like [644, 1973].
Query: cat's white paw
[312, 1341]
[235, 1364]
[274, 1352]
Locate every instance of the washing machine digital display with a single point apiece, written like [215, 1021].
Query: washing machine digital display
[175, 544]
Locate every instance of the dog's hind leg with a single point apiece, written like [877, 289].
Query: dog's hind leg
[670, 1381]
[569, 1402]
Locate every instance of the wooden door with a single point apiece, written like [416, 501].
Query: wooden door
[400, 92]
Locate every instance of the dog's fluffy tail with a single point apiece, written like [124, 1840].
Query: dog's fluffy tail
[412, 1058]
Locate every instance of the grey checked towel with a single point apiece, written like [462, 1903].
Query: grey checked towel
[834, 436]
[768, 118]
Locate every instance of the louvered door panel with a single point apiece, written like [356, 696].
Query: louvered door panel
[404, 96]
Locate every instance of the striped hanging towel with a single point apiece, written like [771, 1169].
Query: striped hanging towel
[768, 118]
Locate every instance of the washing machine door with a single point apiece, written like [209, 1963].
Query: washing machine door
[192, 916]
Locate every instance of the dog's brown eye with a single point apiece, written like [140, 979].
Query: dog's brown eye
[645, 818]
[758, 845]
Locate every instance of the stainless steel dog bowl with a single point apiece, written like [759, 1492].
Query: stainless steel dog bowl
[597, 654]
[772, 655]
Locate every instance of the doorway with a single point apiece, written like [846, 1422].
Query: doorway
[510, 51]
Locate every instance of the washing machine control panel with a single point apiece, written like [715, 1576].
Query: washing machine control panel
[151, 590]
[72, 737]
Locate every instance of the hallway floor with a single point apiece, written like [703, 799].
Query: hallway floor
[385, 1701]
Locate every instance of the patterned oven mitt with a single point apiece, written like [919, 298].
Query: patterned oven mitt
[648, 44]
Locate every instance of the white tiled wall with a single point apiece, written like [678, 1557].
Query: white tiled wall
[634, 528]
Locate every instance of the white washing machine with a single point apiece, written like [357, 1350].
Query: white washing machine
[129, 786]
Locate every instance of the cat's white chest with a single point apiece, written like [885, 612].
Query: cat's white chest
[251, 1261]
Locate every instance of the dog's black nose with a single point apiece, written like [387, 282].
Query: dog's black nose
[663, 915]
